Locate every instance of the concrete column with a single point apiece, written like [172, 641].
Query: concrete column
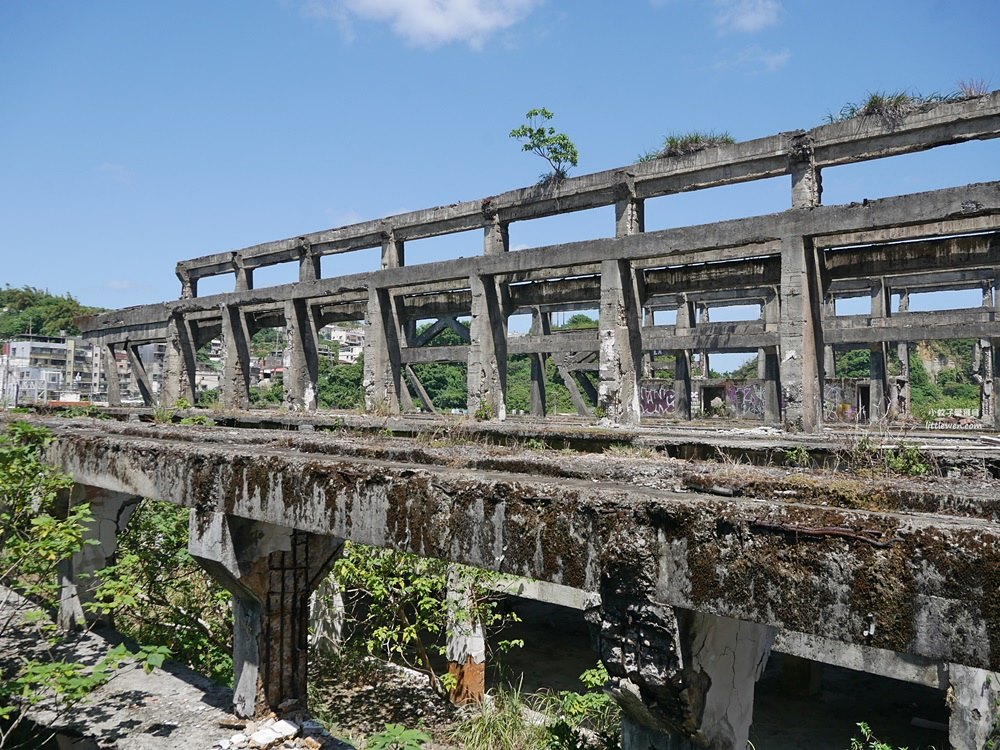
[903, 352]
[110, 365]
[703, 364]
[879, 377]
[487, 374]
[767, 363]
[301, 356]
[991, 357]
[235, 384]
[683, 679]
[807, 183]
[382, 378]
[829, 356]
[973, 697]
[271, 572]
[326, 617]
[682, 361]
[620, 343]
[800, 338]
[392, 251]
[111, 512]
[629, 216]
[244, 275]
[309, 263]
[189, 286]
[540, 326]
[466, 649]
[496, 239]
[180, 361]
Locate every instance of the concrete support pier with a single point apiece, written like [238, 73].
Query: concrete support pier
[466, 650]
[620, 343]
[684, 679]
[111, 512]
[271, 572]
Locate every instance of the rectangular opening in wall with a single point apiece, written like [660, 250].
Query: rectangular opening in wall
[267, 367]
[718, 204]
[730, 313]
[519, 325]
[665, 317]
[468, 244]
[847, 306]
[445, 385]
[574, 226]
[356, 261]
[942, 167]
[223, 283]
[341, 366]
[276, 275]
[954, 299]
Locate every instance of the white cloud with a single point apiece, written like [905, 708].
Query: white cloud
[756, 60]
[428, 23]
[746, 16]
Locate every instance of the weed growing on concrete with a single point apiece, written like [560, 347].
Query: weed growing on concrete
[973, 87]
[629, 451]
[891, 107]
[198, 419]
[162, 415]
[797, 456]
[682, 144]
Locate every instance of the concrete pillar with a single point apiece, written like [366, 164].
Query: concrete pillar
[879, 376]
[392, 251]
[244, 275]
[807, 182]
[487, 373]
[829, 356]
[309, 263]
[973, 697]
[301, 356]
[767, 362]
[903, 352]
[704, 368]
[800, 338]
[179, 363]
[629, 216]
[271, 572]
[683, 679]
[466, 651]
[110, 365]
[382, 376]
[991, 359]
[111, 512]
[189, 286]
[540, 326]
[682, 361]
[620, 343]
[235, 384]
[496, 239]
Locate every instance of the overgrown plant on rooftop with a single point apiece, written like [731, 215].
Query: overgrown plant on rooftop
[891, 107]
[543, 141]
[681, 144]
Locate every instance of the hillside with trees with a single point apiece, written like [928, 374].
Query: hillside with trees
[27, 310]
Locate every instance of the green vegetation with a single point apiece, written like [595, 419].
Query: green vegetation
[27, 310]
[569, 720]
[34, 539]
[399, 609]
[681, 144]
[555, 148]
[891, 107]
[397, 737]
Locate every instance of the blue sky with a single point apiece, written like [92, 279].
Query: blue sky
[137, 133]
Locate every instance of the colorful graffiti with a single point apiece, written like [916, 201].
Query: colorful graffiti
[747, 399]
[658, 399]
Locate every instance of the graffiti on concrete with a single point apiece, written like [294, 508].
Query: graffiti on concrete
[747, 399]
[658, 398]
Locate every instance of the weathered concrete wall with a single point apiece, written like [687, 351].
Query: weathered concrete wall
[911, 583]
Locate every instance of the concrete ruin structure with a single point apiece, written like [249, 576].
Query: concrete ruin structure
[692, 589]
[793, 266]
